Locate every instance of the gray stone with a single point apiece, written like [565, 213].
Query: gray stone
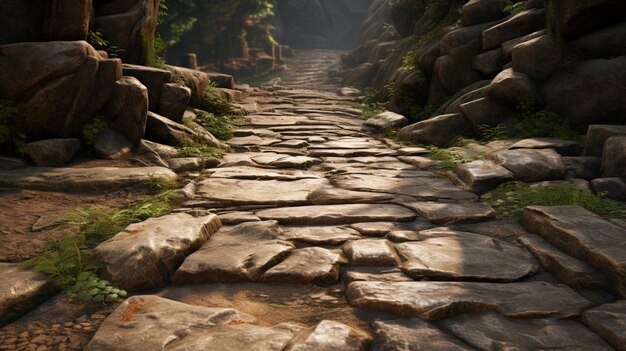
[412, 335]
[192, 164]
[614, 157]
[563, 147]
[374, 229]
[605, 43]
[566, 269]
[387, 119]
[507, 46]
[313, 265]
[448, 213]
[490, 62]
[485, 112]
[128, 108]
[163, 130]
[543, 49]
[337, 214]
[609, 321]
[437, 131]
[512, 87]
[530, 165]
[521, 24]
[174, 101]
[53, 152]
[261, 174]
[493, 332]
[237, 254]
[482, 11]
[481, 176]
[21, 291]
[375, 274]
[371, 252]
[437, 300]
[328, 196]
[234, 218]
[152, 78]
[584, 235]
[329, 336]
[597, 135]
[82, 179]
[454, 255]
[613, 188]
[163, 151]
[146, 254]
[320, 235]
[112, 145]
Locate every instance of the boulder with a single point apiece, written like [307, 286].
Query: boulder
[614, 157]
[195, 80]
[163, 130]
[591, 93]
[583, 167]
[192, 164]
[146, 254]
[507, 46]
[597, 135]
[437, 131]
[519, 25]
[539, 58]
[608, 321]
[65, 90]
[386, 120]
[489, 63]
[361, 75]
[404, 14]
[470, 93]
[21, 291]
[485, 112]
[563, 147]
[128, 108]
[152, 78]
[129, 25]
[25, 23]
[482, 11]
[174, 101]
[613, 188]
[464, 36]
[575, 18]
[163, 151]
[67, 20]
[53, 152]
[221, 80]
[481, 176]
[605, 43]
[112, 145]
[455, 70]
[511, 87]
[529, 165]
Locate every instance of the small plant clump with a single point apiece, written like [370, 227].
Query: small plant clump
[510, 199]
[15, 123]
[214, 103]
[92, 131]
[542, 123]
[100, 43]
[515, 8]
[91, 289]
[192, 148]
[448, 160]
[220, 126]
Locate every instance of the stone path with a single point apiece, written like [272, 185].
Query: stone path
[335, 243]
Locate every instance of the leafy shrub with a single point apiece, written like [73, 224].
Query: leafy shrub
[193, 148]
[542, 123]
[515, 8]
[214, 103]
[100, 43]
[448, 160]
[15, 123]
[91, 289]
[220, 126]
[92, 131]
[510, 199]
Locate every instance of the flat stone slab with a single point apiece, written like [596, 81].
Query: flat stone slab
[329, 336]
[300, 162]
[146, 254]
[481, 176]
[494, 332]
[563, 147]
[584, 235]
[437, 300]
[374, 229]
[21, 291]
[82, 179]
[337, 214]
[349, 143]
[375, 274]
[371, 252]
[270, 121]
[261, 174]
[453, 255]
[147, 323]
[234, 218]
[320, 235]
[609, 321]
[312, 265]
[236, 254]
[328, 196]
[351, 152]
[565, 268]
[412, 334]
[452, 213]
[529, 165]
[228, 192]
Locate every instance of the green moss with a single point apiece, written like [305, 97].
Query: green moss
[510, 199]
[447, 160]
[515, 8]
[193, 148]
[220, 126]
[92, 130]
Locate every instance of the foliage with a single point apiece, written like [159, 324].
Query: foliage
[91, 289]
[193, 148]
[100, 43]
[154, 50]
[214, 103]
[220, 126]
[92, 131]
[542, 123]
[448, 160]
[15, 124]
[510, 199]
[488, 133]
[157, 184]
[515, 8]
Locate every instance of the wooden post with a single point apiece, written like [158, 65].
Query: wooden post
[192, 60]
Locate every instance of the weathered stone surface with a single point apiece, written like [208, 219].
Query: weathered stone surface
[584, 167]
[490, 62]
[584, 235]
[12, 163]
[453, 255]
[174, 101]
[601, 44]
[111, 145]
[485, 112]
[387, 119]
[329, 336]
[301, 162]
[21, 291]
[53, 152]
[482, 11]
[609, 321]
[163, 130]
[337, 214]
[412, 334]
[614, 188]
[371, 252]
[481, 176]
[328, 196]
[227, 192]
[152, 78]
[530, 165]
[448, 213]
[374, 229]
[590, 93]
[320, 235]
[294, 143]
[312, 265]
[614, 157]
[454, 71]
[375, 274]
[543, 49]
[234, 218]
[192, 164]
[146, 254]
[566, 269]
[82, 179]
[128, 108]
[252, 140]
[437, 130]
[494, 332]
[351, 152]
[510, 86]
[240, 253]
[573, 19]
[563, 147]
[597, 134]
[164, 151]
[261, 174]
[521, 24]
[437, 300]
[507, 46]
